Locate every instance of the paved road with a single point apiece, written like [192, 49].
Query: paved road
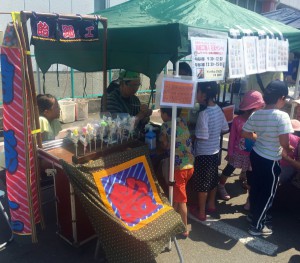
[222, 238]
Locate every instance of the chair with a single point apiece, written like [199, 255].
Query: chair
[229, 115]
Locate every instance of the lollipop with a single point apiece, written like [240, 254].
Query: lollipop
[90, 130]
[83, 139]
[95, 132]
[103, 125]
[75, 138]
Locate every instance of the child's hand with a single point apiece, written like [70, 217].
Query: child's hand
[290, 149]
[284, 154]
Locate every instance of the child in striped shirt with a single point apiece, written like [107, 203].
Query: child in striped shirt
[210, 123]
[270, 127]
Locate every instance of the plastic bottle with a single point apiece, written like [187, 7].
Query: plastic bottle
[150, 138]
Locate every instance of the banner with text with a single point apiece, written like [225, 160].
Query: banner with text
[208, 58]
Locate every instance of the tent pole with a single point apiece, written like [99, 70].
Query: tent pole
[296, 92]
[104, 67]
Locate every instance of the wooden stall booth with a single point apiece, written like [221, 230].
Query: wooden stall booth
[73, 224]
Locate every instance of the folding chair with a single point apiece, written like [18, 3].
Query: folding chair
[6, 231]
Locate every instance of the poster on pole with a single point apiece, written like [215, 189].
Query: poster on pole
[282, 55]
[236, 66]
[178, 92]
[208, 58]
[261, 55]
[249, 44]
[271, 54]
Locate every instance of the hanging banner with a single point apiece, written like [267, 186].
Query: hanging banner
[271, 54]
[74, 30]
[282, 55]
[261, 55]
[208, 58]
[15, 149]
[178, 92]
[43, 28]
[250, 59]
[236, 66]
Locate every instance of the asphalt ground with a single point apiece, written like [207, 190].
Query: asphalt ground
[222, 238]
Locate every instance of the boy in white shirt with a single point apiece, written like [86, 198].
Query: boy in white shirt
[270, 127]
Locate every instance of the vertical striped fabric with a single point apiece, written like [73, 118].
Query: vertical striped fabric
[14, 141]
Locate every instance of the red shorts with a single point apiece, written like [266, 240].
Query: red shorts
[181, 178]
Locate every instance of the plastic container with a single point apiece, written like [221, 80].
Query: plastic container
[150, 138]
[81, 109]
[67, 111]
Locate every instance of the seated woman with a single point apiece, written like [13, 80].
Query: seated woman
[122, 99]
[49, 112]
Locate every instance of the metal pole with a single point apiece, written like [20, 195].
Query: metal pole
[72, 83]
[38, 78]
[172, 157]
[296, 92]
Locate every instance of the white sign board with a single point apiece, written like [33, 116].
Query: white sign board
[271, 54]
[250, 58]
[261, 55]
[282, 55]
[236, 64]
[208, 58]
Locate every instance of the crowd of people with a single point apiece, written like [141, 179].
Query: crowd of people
[260, 136]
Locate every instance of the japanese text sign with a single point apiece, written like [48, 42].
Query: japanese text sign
[235, 58]
[208, 58]
[250, 58]
[178, 92]
[65, 30]
[43, 28]
[75, 30]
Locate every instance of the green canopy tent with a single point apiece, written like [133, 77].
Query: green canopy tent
[143, 35]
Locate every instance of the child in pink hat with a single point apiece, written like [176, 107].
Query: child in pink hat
[239, 148]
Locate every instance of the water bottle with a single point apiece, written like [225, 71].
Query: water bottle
[150, 138]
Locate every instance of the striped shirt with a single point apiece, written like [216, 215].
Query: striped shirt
[268, 124]
[210, 123]
[118, 104]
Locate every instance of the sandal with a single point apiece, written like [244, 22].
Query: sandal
[194, 212]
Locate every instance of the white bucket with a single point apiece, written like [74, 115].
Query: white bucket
[81, 109]
[67, 111]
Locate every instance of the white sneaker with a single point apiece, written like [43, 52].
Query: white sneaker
[3, 245]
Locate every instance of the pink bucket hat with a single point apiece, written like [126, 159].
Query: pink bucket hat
[295, 124]
[252, 100]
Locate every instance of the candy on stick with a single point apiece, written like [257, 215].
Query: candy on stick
[83, 139]
[103, 125]
[89, 129]
[131, 128]
[75, 137]
[112, 128]
[95, 132]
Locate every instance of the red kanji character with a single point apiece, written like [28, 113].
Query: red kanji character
[68, 31]
[89, 33]
[42, 29]
[132, 200]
